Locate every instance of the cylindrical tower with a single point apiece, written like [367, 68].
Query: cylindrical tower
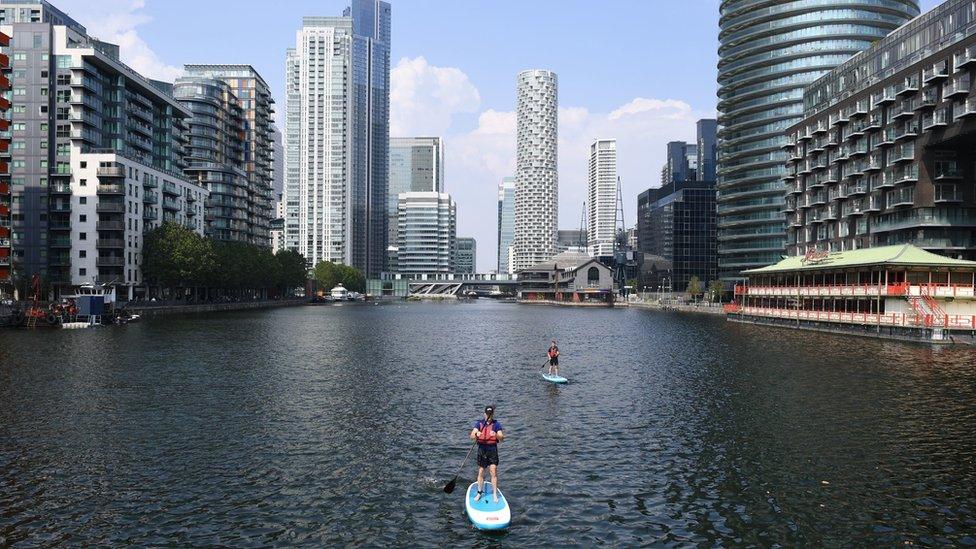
[769, 50]
[536, 179]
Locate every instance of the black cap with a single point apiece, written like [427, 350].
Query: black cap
[490, 409]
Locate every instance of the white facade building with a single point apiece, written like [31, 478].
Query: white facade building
[601, 201]
[318, 217]
[426, 232]
[337, 137]
[536, 178]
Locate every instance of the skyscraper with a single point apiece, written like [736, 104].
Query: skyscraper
[416, 165]
[681, 164]
[707, 130]
[506, 222]
[765, 60]
[536, 177]
[337, 137]
[601, 201]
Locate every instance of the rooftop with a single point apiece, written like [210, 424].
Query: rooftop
[904, 255]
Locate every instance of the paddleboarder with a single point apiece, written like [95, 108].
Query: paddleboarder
[487, 433]
[553, 354]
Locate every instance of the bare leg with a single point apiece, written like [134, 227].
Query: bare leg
[481, 480]
[494, 482]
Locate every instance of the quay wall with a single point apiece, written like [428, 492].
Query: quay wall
[152, 311]
[681, 307]
[598, 304]
[937, 336]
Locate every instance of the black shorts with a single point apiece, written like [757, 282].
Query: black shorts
[487, 455]
[554, 361]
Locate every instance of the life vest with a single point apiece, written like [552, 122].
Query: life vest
[487, 433]
[553, 351]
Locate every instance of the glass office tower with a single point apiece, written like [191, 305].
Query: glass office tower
[769, 50]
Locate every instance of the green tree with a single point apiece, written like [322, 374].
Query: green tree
[176, 257]
[292, 270]
[328, 275]
[715, 290]
[694, 287]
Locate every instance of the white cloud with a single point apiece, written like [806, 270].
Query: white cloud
[117, 22]
[478, 159]
[424, 98]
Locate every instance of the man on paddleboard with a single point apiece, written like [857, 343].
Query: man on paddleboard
[553, 354]
[488, 433]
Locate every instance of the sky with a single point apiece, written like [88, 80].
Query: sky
[639, 71]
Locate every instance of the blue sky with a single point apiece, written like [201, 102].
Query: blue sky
[641, 71]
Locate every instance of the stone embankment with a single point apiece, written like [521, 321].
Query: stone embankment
[706, 308]
[151, 310]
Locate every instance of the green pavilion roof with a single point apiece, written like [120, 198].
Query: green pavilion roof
[902, 255]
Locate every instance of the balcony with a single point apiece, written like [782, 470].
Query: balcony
[907, 86]
[964, 108]
[170, 204]
[903, 153]
[170, 188]
[887, 137]
[110, 243]
[795, 220]
[110, 171]
[907, 131]
[874, 204]
[150, 197]
[110, 207]
[959, 85]
[59, 188]
[150, 183]
[873, 121]
[935, 119]
[189, 210]
[816, 215]
[116, 188]
[857, 188]
[902, 197]
[883, 97]
[832, 213]
[149, 215]
[820, 127]
[936, 72]
[833, 175]
[964, 58]
[110, 226]
[60, 207]
[59, 261]
[110, 261]
[873, 163]
[59, 242]
[817, 199]
[929, 99]
[908, 174]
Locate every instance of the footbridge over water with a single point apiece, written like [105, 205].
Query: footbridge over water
[482, 285]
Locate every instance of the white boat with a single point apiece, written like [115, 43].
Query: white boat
[339, 293]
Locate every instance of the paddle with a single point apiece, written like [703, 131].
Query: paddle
[449, 487]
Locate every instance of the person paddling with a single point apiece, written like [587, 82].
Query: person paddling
[553, 354]
[488, 433]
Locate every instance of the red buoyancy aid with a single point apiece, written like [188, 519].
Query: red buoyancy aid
[553, 351]
[487, 433]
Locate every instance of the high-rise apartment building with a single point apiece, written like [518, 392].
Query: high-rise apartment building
[536, 176]
[98, 154]
[768, 52]
[257, 111]
[337, 137]
[215, 155]
[601, 199]
[427, 233]
[416, 165]
[5, 196]
[278, 227]
[506, 222]
[465, 255]
[884, 155]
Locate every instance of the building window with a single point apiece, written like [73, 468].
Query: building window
[83, 253]
[82, 236]
[82, 271]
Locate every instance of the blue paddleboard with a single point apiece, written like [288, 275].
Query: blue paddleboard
[484, 512]
[554, 378]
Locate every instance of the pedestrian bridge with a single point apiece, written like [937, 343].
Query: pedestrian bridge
[487, 285]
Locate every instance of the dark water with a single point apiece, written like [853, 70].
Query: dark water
[340, 425]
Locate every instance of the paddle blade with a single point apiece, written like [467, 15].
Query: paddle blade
[449, 487]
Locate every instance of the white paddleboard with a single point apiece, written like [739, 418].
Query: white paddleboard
[554, 378]
[484, 512]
